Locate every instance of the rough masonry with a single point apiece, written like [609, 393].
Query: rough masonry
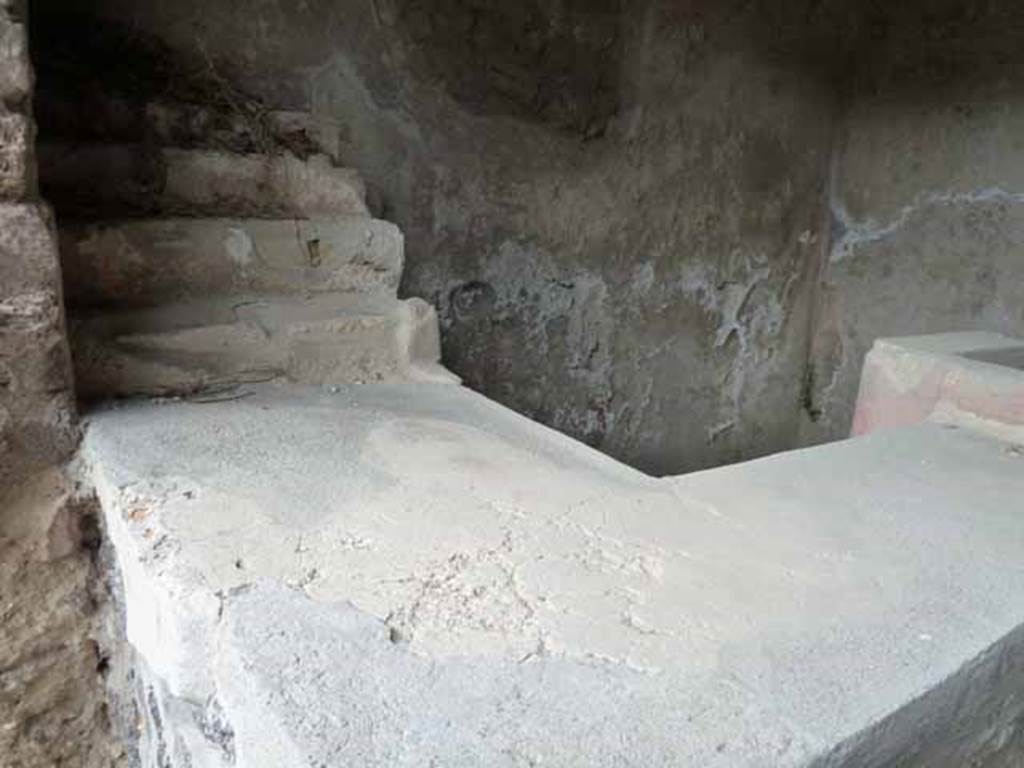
[51, 706]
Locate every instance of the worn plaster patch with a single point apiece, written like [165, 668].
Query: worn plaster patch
[239, 247]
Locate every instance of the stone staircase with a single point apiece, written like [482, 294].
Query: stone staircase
[209, 270]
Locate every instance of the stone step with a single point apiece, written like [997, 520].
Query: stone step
[125, 179]
[146, 262]
[196, 346]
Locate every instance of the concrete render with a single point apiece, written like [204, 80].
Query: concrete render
[413, 575]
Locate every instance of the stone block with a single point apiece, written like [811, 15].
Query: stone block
[35, 366]
[51, 707]
[29, 259]
[35, 376]
[973, 380]
[15, 67]
[17, 157]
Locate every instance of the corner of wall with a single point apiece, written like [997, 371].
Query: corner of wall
[52, 710]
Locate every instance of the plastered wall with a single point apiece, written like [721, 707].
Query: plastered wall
[925, 201]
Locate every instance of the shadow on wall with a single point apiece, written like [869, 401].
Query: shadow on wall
[921, 50]
[555, 63]
[107, 80]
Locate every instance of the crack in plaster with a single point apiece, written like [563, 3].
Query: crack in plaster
[868, 230]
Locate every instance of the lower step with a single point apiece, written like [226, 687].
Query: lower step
[194, 347]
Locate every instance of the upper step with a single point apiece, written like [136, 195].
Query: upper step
[124, 179]
[138, 263]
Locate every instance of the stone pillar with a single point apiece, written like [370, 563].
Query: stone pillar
[52, 709]
[36, 392]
